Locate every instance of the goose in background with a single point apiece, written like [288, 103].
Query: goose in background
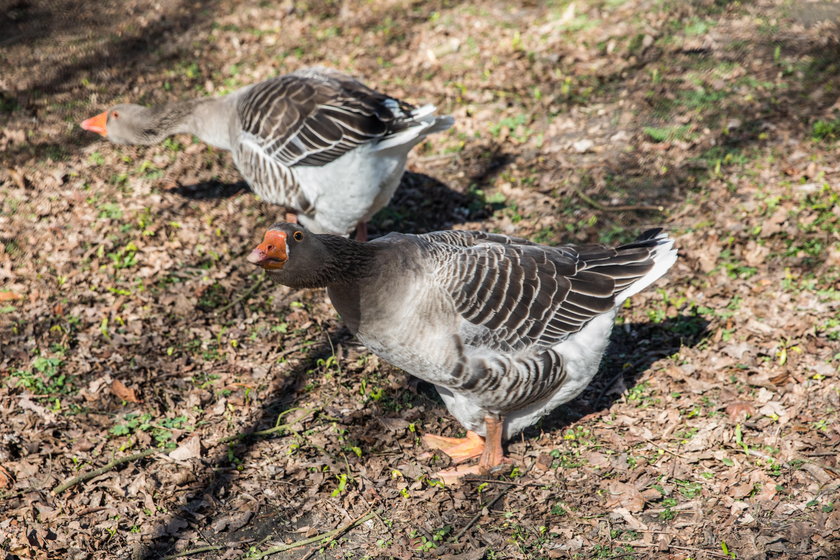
[316, 141]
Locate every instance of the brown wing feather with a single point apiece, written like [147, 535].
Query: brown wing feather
[524, 294]
[313, 117]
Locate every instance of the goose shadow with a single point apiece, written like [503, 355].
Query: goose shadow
[213, 189]
[423, 203]
[200, 508]
[633, 348]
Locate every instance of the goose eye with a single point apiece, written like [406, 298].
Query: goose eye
[298, 236]
[115, 114]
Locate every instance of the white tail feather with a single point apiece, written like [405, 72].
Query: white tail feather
[664, 258]
[419, 112]
[427, 123]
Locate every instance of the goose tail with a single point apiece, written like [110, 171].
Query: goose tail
[664, 255]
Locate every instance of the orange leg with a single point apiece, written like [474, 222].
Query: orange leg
[291, 217]
[361, 232]
[493, 454]
[459, 449]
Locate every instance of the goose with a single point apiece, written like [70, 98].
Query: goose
[316, 141]
[507, 330]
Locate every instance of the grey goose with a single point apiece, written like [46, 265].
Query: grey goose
[317, 141]
[507, 330]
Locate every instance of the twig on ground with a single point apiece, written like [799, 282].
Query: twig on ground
[630, 367]
[329, 536]
[603, 208]
[436, 158]
[607, 387]
[192, 551]
[509, 483]
[666, 450]
[245, 295]
[689, 548]
[96, 472]
[489, 505]
[269, 431]
[475, 517]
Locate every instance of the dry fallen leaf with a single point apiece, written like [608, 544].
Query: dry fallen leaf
[634, 523]
[119, 389]
[6, 477]
[17, 177]
[624, 495]
[543, 462]
[9, 296]
[738, 411]
[190, 449]
[780, 379]
[125, 237]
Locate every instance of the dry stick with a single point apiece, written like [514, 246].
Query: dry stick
[488, 506]
[96, 472]
[509, 483]
[329, 535]
[603, 208]
[607, 387]
[475, 518]
[193, 551]
[246, 294]
[631, 366]
[269, 431]
[653, 443]
[678, 547]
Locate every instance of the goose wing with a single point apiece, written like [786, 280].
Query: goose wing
[314, 116]
[518, 294]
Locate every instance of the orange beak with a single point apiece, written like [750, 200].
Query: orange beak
[271, 253]
[97, 124]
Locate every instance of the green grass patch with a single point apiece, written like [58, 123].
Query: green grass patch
[825, 131]
[668, 133]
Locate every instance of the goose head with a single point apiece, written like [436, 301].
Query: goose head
[125, 124]
[295, 257]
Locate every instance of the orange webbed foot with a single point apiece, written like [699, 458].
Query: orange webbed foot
[458, 449]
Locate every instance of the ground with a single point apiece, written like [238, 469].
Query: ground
[130, 322]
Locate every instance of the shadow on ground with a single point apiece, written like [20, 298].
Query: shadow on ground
[211, 190]
[633, 348]
[207, 509]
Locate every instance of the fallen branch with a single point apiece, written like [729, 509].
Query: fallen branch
[652, 357]
[192, 551]
[328, 536]
[476, 517]
[653, 443]
[603, 208]
[714, 553]
[489, 505]
[96, 472]
[269, 431]
[509, 483]
[246, 294]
